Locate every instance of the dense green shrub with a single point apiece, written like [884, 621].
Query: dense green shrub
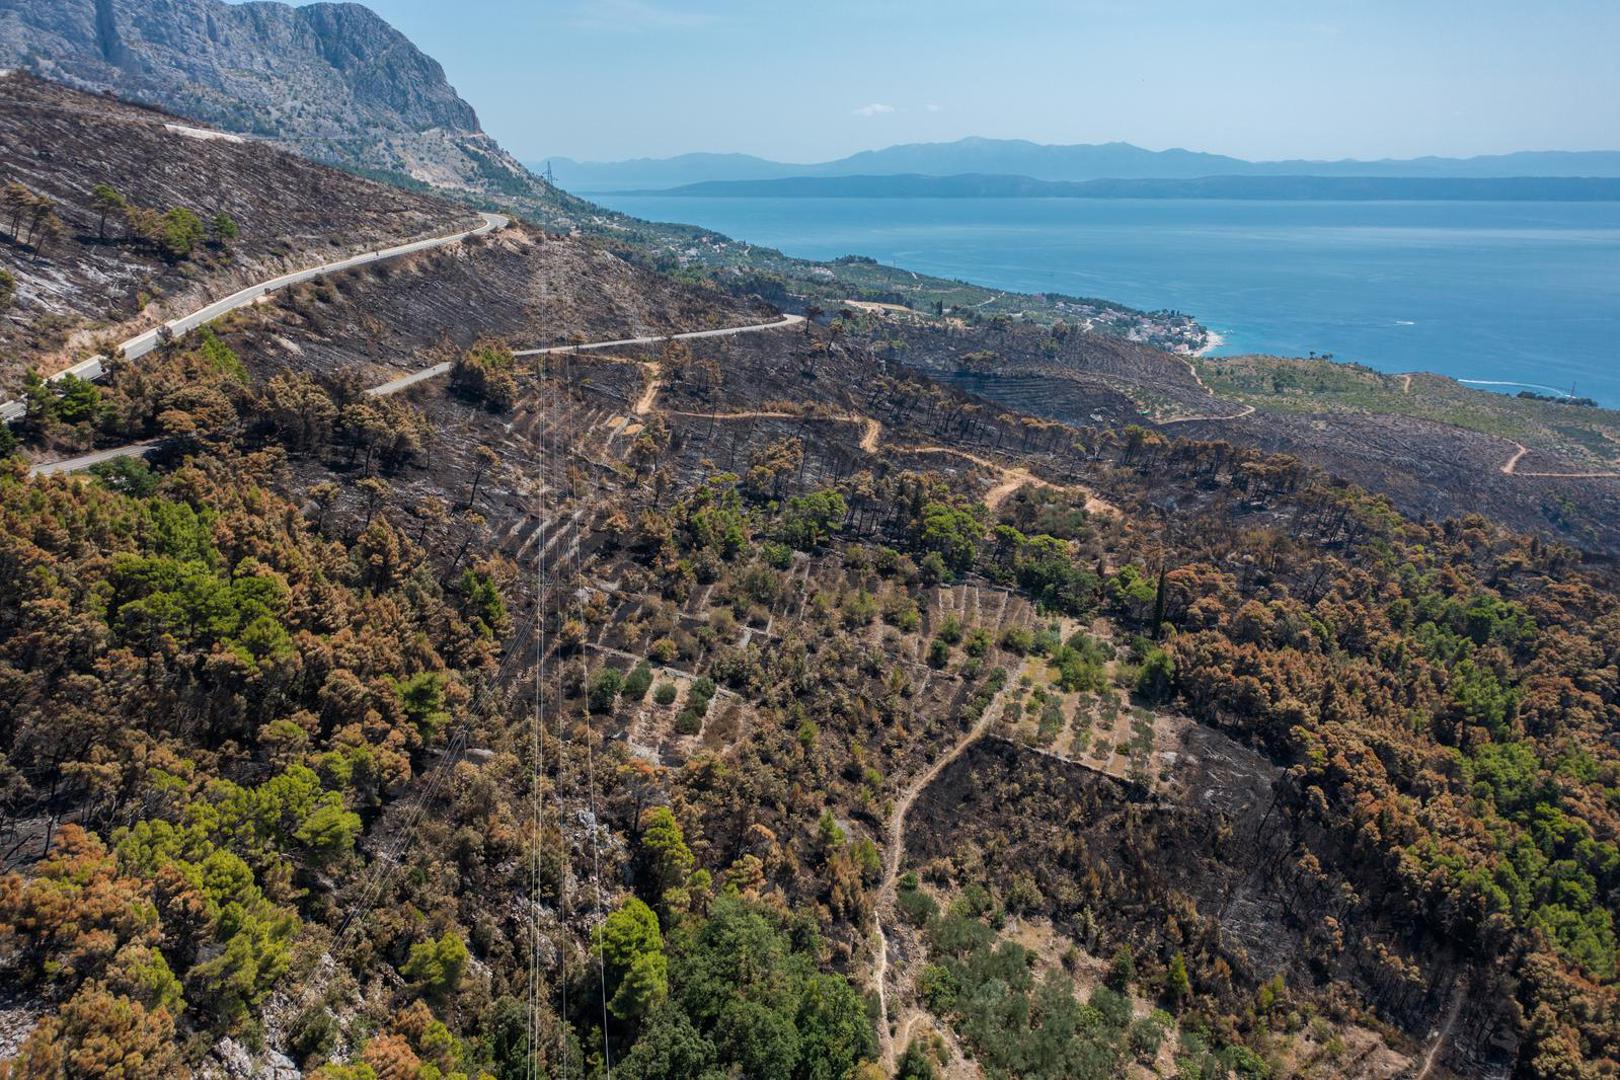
[603, 690]
[746, 998]
[637, 682]
[434, 967]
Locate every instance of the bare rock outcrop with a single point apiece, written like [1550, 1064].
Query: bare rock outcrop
[334, 82]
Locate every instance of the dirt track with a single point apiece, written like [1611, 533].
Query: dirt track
[1192, 369]
[893, 851]
[1012, 478]
[1512, 469]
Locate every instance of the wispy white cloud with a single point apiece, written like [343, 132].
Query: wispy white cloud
[874, 109]
[634, 15]
[931, 107]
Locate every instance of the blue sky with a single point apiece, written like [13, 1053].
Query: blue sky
[608, 79]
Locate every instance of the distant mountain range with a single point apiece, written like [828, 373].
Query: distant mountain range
[1017, 157]
[980, 186]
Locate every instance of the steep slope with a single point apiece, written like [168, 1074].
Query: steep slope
[337, 83]
[257, 68]
[847, 676]
[141, 258]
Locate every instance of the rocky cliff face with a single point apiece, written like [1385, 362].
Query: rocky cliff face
[332, 81]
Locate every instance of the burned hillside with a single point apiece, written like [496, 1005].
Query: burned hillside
[1430, 468]
[640, 700]
[117, 217]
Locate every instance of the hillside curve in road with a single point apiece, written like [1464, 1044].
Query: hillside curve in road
[405, 382]
[145, 342]
[655, 339]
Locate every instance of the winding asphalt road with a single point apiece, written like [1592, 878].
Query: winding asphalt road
[729, 331]
[404, 382]
[143, 343]
[87, 461]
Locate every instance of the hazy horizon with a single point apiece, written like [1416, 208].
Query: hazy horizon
[1365, 79]
[540, 159]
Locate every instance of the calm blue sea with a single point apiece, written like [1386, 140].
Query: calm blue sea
[1509, 292]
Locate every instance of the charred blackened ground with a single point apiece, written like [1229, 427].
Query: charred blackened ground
[1429, 467]
[124, 260]
[520, 287]
[783, 620]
